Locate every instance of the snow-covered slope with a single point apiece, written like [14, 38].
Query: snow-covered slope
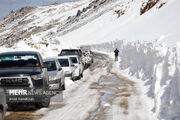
[146, 32]
[100, 20]
[156, 23]
[37, 28]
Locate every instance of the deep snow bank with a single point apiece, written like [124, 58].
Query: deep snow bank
[157, 65]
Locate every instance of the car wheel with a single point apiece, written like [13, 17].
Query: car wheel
[79, 77]
[1, 115]
[44, 103]
[63, 87]
[72, 77]
[82, 74]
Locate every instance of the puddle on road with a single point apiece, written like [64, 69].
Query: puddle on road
[108, 86]
[100, 62]
[29, 112]
[24, 116]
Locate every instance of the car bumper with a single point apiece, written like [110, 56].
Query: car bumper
[54, 86]
[76, 73]
[68, 75]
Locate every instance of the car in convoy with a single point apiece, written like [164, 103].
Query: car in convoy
[88, 58]
[56, 74]
[24, 76]
[78, 52]
[78, 65]
[3, 105]
[67, 66]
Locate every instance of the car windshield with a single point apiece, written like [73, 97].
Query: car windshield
[7, 61]
[64, 62]
[70, 52]
[52, 67]
[73, 59]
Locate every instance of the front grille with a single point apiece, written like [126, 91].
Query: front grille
[38, 83]
[68, 75]
[14, 81]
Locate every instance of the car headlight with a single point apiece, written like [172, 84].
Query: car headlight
[54, 81]
[67, 72]
[52, 78]
[37, 77]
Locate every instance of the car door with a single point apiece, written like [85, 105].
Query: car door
[60, 73]
[72, 67]
[80, 65]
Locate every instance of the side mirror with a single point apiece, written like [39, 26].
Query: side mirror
[72, 65]
[60, 69]
[46, 64]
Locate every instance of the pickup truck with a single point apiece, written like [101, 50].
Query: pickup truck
[23, 75]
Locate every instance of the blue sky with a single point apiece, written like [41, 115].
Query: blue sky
[7, 5]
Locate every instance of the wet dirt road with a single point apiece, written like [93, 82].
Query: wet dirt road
[109, 91]
[110, 86]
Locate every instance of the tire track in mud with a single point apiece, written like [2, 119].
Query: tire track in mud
[23, 116]
[29, 112]
[110, 86]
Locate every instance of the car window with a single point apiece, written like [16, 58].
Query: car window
[64, 62]
[80, 53]
[69, 52]
[19, 61]
[73, 59]
[53, 66]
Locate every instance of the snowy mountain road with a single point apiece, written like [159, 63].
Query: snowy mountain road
[102, 94]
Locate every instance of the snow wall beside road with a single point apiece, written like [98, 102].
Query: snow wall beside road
[156, 64]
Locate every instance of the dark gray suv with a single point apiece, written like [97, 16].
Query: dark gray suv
[24, 77]
[3, 105]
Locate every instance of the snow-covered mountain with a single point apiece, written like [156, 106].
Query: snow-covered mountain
[147, 33]
[100, 20]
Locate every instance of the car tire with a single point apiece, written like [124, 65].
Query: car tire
[63, 87]
[11, 108]
[1, 115]
[44, 103]
[72, 77]
[79, 77]
[82, 75]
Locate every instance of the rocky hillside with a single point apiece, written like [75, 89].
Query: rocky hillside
[49, 22]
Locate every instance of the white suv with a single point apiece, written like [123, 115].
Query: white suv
[56, 74]
[67, 66]
[78, 65]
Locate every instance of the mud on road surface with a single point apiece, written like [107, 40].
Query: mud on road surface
[29, 112]
[100, 87]
[110, 86]
[23, 116]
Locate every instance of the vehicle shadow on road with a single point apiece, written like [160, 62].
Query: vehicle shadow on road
[22, 108]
